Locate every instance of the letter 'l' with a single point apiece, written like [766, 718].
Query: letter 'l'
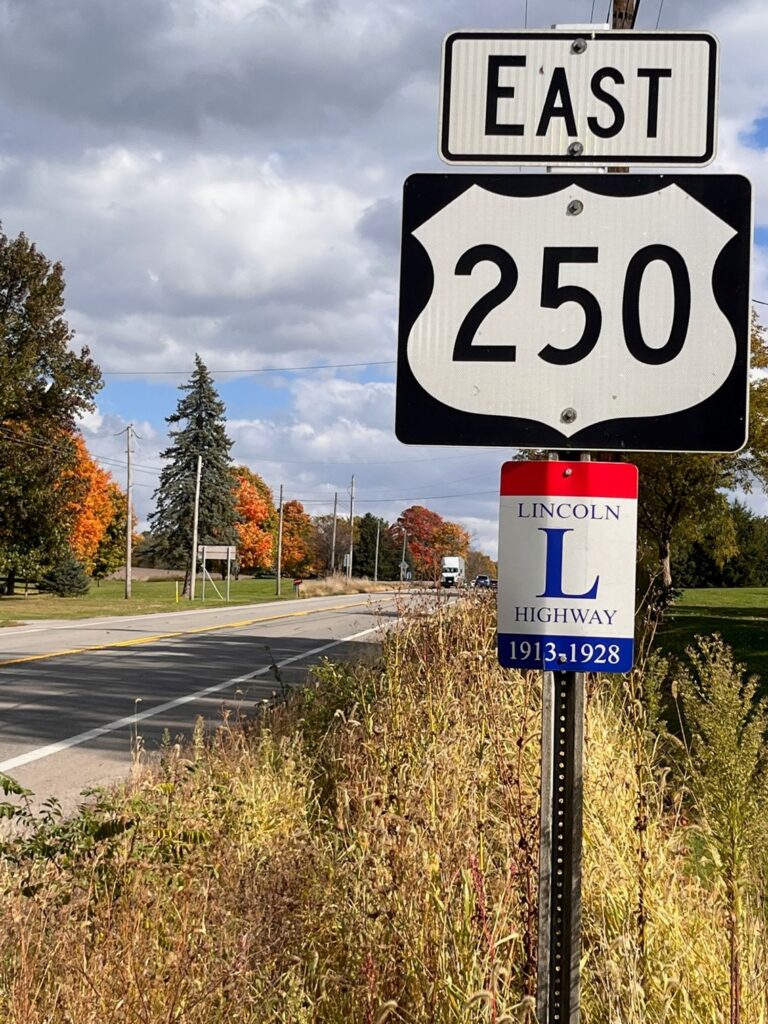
[553, 586]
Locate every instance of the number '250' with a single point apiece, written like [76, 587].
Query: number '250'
[554, 294]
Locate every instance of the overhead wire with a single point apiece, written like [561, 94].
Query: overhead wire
[12, 439]
[658, 17]
[251, 370]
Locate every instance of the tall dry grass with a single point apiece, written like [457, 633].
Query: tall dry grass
[366, 852]
[339, 583]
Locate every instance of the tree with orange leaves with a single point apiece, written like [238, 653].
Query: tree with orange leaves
[297, 540]
[97, 507]
[428, 538]
[257, 519]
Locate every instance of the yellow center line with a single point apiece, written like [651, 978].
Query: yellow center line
[182, 632]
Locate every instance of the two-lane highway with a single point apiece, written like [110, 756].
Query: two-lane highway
[74, 693]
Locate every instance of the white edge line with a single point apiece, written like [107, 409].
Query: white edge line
[121, 723]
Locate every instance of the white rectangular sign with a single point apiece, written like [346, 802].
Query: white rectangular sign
[567, 542]
[223, 552]
[579, 97]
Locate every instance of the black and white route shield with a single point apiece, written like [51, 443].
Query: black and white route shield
[587, 312]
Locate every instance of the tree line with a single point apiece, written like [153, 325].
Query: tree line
[58, 507]
[63, 516]
[236, 507]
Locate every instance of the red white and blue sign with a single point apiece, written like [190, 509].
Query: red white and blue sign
[567, 539]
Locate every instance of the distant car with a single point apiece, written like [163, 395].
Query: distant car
[481, 582]
[494, 584]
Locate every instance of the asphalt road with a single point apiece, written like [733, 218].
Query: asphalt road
[74, 694]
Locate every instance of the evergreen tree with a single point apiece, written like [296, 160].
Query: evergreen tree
[202, 432]
[364, 554]
[68, 579]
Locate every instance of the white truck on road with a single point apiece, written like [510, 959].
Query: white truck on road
[453, 571]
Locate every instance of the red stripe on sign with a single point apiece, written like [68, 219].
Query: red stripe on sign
[570, 479]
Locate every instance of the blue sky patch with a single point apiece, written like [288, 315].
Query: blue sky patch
[757, 136]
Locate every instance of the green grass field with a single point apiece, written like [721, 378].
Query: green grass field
[740, 616]
[151, 596]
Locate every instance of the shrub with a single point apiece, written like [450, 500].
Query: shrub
[68, 579]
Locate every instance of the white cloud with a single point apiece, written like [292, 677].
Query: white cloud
[224, 176]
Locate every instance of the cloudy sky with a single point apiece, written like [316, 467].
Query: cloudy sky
[224, 177]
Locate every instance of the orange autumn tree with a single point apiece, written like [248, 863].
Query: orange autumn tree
[257, 519]
[94, 511]
[297, 540]
[429, 537]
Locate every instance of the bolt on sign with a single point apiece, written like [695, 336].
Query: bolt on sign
[579, 97]
[567, 536]
[575, 311]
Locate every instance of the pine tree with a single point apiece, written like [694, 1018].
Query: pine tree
[203, 433]
[68, 579]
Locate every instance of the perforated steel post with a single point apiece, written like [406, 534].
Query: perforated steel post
[562, 743]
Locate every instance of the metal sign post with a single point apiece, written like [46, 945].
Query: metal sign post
[567, 537]
[562, 747]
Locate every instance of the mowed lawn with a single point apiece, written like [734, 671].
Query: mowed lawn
[739, 615]
[147, 596]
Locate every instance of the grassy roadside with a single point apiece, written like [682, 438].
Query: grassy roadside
[740, 616]
[365, 852]
[148, 596]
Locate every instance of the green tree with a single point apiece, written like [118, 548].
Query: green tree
[44, 387]
[683, 497]
[695, 566]
[364, 555]
[67, 579]
[200, 412]
[110, 554]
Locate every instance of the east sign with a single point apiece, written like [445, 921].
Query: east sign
[579, 97]
[567, 535]
[575, 311]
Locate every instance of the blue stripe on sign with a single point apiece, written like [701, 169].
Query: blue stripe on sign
[566, 653]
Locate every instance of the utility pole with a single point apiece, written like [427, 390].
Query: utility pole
[402, 556]
[333, 537]
[129, 509]
[376, 556]
[351, 526]
[625, 13]
[129, 506]
[279, 566]
[195, 516]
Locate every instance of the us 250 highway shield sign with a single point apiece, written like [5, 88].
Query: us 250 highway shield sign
[587, 312]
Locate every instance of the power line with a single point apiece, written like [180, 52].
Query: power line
[308, 501]
[658, 19]
[261, 369]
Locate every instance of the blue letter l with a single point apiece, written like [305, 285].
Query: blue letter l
[554, 580]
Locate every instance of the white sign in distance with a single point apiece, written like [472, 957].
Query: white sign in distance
[591, 312]
[567, 540]
[579, 97]
[215, 552]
